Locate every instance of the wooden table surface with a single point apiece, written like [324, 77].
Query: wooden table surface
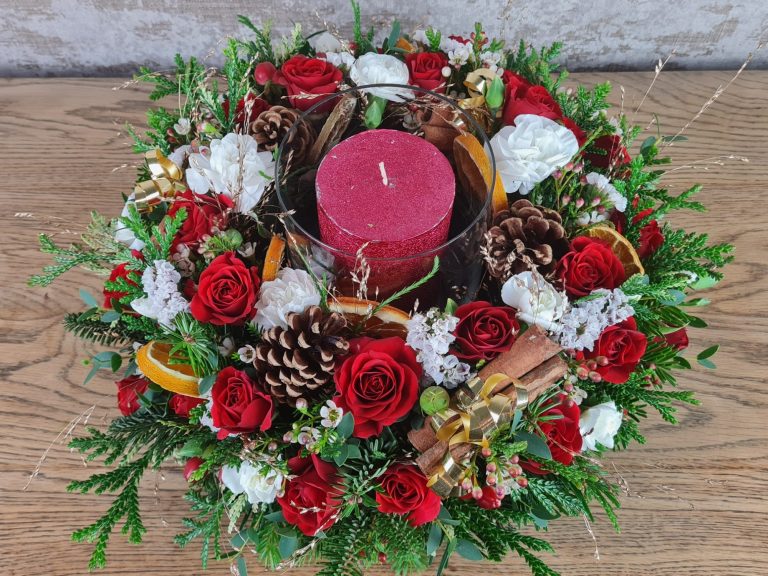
[695, 500]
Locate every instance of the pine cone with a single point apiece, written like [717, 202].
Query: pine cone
[272, 125]
[525, 237]
[298, 361]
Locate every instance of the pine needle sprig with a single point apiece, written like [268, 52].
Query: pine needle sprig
[206, 525]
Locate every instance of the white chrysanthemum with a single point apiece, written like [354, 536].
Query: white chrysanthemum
[581, 326]
[292, 291]
[536, 300]
[372, 68]
[431, 336]
[261, 484]
[531, 150]
[600, 424]
[607, 190]
[163, 302]
[232, 166]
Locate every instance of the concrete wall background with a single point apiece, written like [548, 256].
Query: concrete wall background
[110, 37]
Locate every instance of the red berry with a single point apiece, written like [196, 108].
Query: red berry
[264, 72]
[190, 467]
[382, 558]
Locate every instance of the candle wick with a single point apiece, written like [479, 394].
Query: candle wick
[383, 171]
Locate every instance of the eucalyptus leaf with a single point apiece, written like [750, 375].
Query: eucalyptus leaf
[711, 351]
[346, 426]
[275, 516]
[536, 445]
[242, 568]
[434, 539]
[88, 298]
[340, 458]
[109, 317]
[287, 546]
[206, 384]
[469, 550]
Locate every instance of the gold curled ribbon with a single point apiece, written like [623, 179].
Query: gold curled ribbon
[167, 180]
[474, 416]
[477, 83]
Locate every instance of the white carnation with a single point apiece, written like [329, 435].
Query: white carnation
[163, 302]
[340, 59]
[607, 190]
[536, 300]
[292, 291]
[599, 424]
[375, 68]
[232, 166]
[261, 484]
[124, 234]
[531, 151]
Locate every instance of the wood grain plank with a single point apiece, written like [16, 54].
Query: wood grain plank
[695, 502]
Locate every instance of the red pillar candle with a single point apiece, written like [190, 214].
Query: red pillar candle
[392, 191]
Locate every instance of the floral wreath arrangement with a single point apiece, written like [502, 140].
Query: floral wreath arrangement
[384, 302]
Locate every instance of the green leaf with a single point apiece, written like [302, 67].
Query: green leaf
[88, 298]
[706, 363]
[451, 306]
[242, 568]
[116, 362]
[109, 317]
[516, 420]
[468, 550]
[206, 384]
[674, 298]
[275, 516]
[375, 112]
[536, 445]
[288, 545]
[342, 456]
[447, 553]
[711, 351]
[434, 539]
[346, 426]
[704, 282]
[696, 322]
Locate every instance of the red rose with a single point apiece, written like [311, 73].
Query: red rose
[581, 136]
[589, 265]
[560, 425]
[128, 390]
[651, 238]
[181, 405]
[247, 109]
[304, 76]
[120, 271]
[378, 383]
[226, 292]
[612, 153]
[623, 346]
[488, 501]
[311, 498]
[405, 491]
[204, 213]
[239, 405]
[520, 97]
[677, 339]
[426, 70]
[484, 330]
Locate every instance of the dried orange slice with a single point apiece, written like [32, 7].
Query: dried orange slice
[273, 259]
[404, 45]
[474, 169]
[620, 246]
[154, 362]
[389, 321]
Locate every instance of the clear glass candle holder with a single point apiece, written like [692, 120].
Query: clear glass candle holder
[362, 273]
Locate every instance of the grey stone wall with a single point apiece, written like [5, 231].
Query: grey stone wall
[110, 37]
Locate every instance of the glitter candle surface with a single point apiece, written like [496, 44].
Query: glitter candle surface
[390, 190]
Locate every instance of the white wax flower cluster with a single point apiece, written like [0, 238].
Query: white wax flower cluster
[600, 424]
[609, 194]
[458, 52]
[163, 302]
[375, 68]
[261, 483]
[431, 336]
[536, 300]
[531, 150]
[232, 166]
[292, 291]
[581, 326]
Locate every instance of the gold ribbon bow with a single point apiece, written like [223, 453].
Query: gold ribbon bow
[474, 416]
[477, 83]
[166, 181]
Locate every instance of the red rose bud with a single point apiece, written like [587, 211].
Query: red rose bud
[226, 292]
[239, 405]
[590, 264]
[311, 498]
[181, 405]
[204, 213]
[426, 69]
[622, 346]
[264, 72]
[309, 80]
[608, 152]
[559, 424]
[190, 467]
[120, 271]
[405, 491]
[677, 339]
[484, 331]
[128, 390]
[378, 383]
[651, 239]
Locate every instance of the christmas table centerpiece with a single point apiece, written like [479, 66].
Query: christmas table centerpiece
[383, 301]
